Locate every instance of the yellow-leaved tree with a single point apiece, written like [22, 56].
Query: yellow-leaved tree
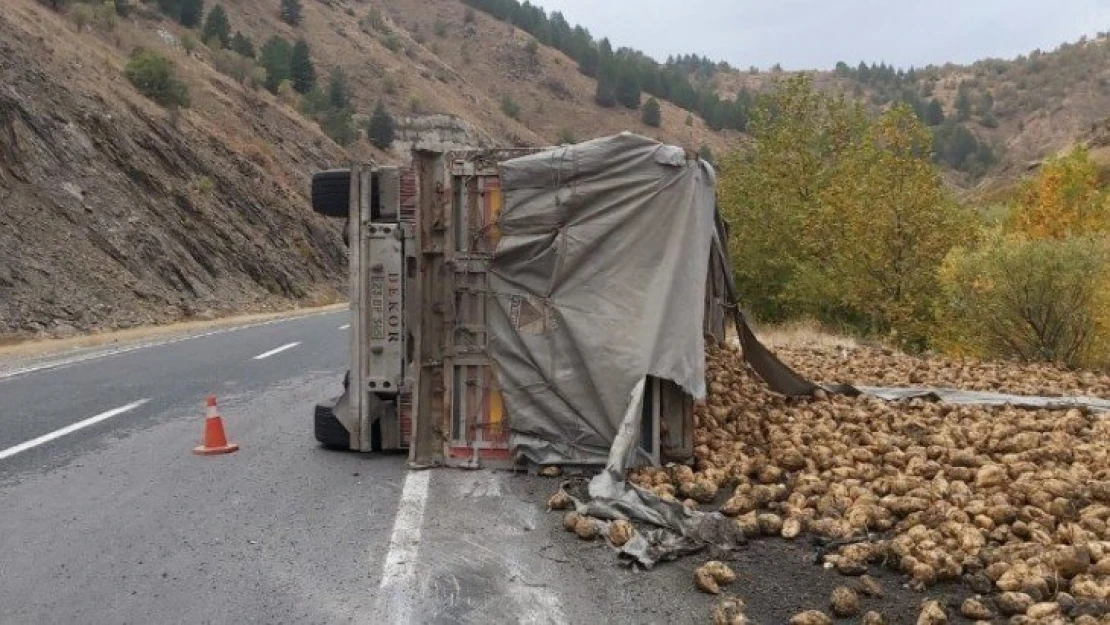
[1063, 199]
[1037, 288]
[837, 216]
[771, 195]
[893, 223]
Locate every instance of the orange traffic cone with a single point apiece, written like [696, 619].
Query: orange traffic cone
[214, 440]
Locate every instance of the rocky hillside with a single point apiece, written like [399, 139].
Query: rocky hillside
[1022, 109]
[118, 212]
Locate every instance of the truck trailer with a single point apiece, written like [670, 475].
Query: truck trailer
[425, 377]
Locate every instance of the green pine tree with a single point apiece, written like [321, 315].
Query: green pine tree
[963, 103]
[380, 129]
[652, 115]
[192, 11]
[170, 8]
[339, 92]
[277, 56]
[217, 27]
[303, 74]
[589, 62]
[243, 45]
[291, 12]
[934, 113]
[628, 88]
[606, 93]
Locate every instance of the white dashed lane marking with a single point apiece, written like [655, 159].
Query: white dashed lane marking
[277, 350]
[69, 429]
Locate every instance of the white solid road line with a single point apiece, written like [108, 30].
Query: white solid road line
[398, 592]
[404, 543]
[69, 429]
[345, 327]
[276, 351]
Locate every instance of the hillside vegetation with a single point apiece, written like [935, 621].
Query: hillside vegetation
[157, 152]
[841, 216]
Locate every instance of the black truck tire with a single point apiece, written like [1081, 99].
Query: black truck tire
[331, 192]
[329, 430]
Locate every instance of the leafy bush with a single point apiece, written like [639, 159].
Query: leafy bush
[566, 136]
[156, 77]
[104, 17]
[189, 42]
[1034, 300]
[82, 16]
[374, 21]
[287, 94]
[652, 115]
[339, 126]
[393, 42]
[510, 107]
[244, 70]
[441, 28]
[380, 128]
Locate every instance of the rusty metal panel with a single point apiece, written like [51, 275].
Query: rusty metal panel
[430, 402]
[477, 426]
[676, 419]
[408, 195]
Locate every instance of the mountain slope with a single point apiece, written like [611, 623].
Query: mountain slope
[116, 211]
[1024, 109]
[116, 214]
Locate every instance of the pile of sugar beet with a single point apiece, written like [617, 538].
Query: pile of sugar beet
[1013, 503]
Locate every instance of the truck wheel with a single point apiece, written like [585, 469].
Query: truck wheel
[376, 435]
[331, 192]
[330, 431]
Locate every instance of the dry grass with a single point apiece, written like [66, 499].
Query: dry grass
[804, 333]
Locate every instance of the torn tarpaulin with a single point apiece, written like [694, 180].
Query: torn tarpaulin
[598, 281]
[666, 530]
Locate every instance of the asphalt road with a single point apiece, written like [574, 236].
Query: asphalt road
[107, 516]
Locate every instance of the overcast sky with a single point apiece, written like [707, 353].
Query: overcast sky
[815, 34]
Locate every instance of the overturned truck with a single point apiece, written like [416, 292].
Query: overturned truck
[531, 307]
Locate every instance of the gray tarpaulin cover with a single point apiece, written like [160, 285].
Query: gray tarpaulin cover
[599, 280]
